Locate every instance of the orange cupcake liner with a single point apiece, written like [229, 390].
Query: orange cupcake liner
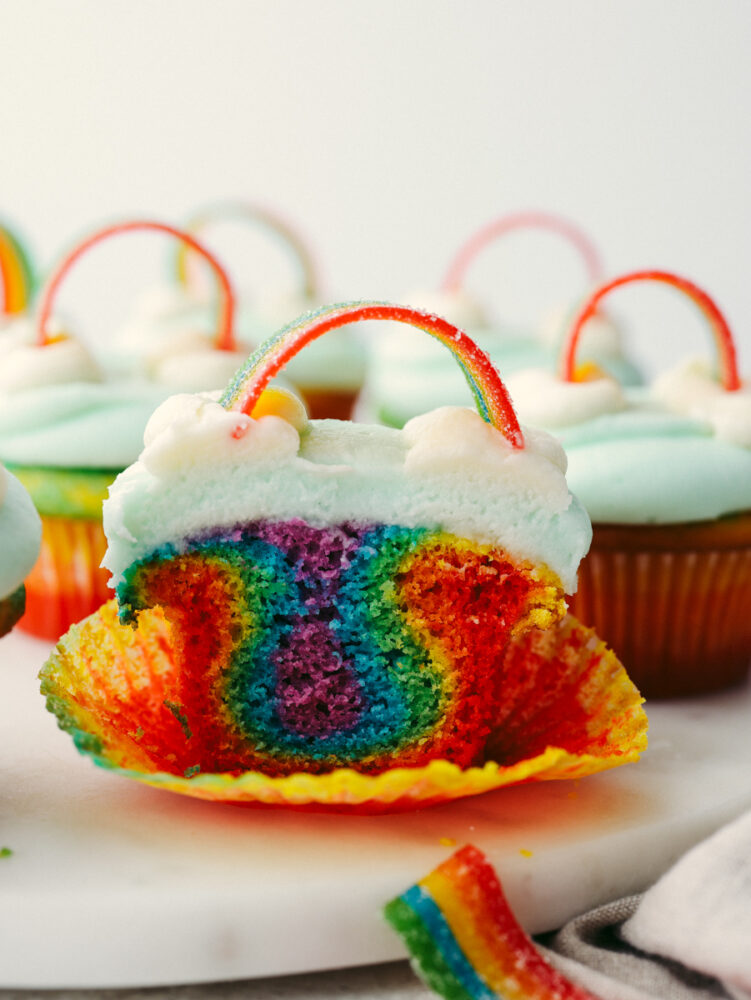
[66, 583]
[571, 711]
[673, 602]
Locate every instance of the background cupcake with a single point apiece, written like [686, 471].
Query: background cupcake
[408, 375]
[665, 474]
[328, 376]
[67, 427]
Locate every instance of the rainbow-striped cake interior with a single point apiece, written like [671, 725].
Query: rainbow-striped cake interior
[307, 648]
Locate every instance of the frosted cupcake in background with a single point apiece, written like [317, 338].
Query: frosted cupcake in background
[408, 375]
[20, 536]
[665, 474]
[67, 427]
[328, 377]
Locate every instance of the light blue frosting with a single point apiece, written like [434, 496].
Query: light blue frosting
[20, 534]
[645, 466]
[88, 425]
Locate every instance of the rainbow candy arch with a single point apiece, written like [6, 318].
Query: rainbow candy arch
[721, 331]
[491, 396]
[16, 273]
[522, 220]
[225, 338]
[465, 941]
[261, 216]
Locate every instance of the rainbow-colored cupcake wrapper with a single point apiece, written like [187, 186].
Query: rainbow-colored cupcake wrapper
[105, 683]
[67, 583]
[464, 940]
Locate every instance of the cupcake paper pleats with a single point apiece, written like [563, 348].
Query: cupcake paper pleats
[466, 943]
[67, 582]
[112, 687]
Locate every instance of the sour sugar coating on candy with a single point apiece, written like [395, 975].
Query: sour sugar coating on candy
[466, 943]
[491, 397]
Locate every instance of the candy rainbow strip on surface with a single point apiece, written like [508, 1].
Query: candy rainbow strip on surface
[720, 330]
[491, 396]
[465, 941]
[522, 220]
[225, 338]
[260, 216]
[16, 273]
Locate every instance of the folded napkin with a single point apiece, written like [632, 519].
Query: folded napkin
[688, 937]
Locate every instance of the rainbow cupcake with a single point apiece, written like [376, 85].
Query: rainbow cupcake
[665, 474]
[67, 427]
[326, 613]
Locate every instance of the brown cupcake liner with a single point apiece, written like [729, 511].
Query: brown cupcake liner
[333, 404]
[674, 603]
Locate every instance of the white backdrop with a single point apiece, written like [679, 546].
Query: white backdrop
[389, 131]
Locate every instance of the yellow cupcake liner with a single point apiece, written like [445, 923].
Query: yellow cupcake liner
[105, 683]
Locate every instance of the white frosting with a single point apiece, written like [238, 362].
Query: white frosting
[692, 390]
[25, 365]
[204, 467]
[600, 337]
[193, 430]
[540, 397]
[170, 339]
[168, 302]
[187, 361]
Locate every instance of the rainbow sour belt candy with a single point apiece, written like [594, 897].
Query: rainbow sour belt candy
[464, 939]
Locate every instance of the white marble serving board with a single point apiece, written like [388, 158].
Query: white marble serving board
[111, 883]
